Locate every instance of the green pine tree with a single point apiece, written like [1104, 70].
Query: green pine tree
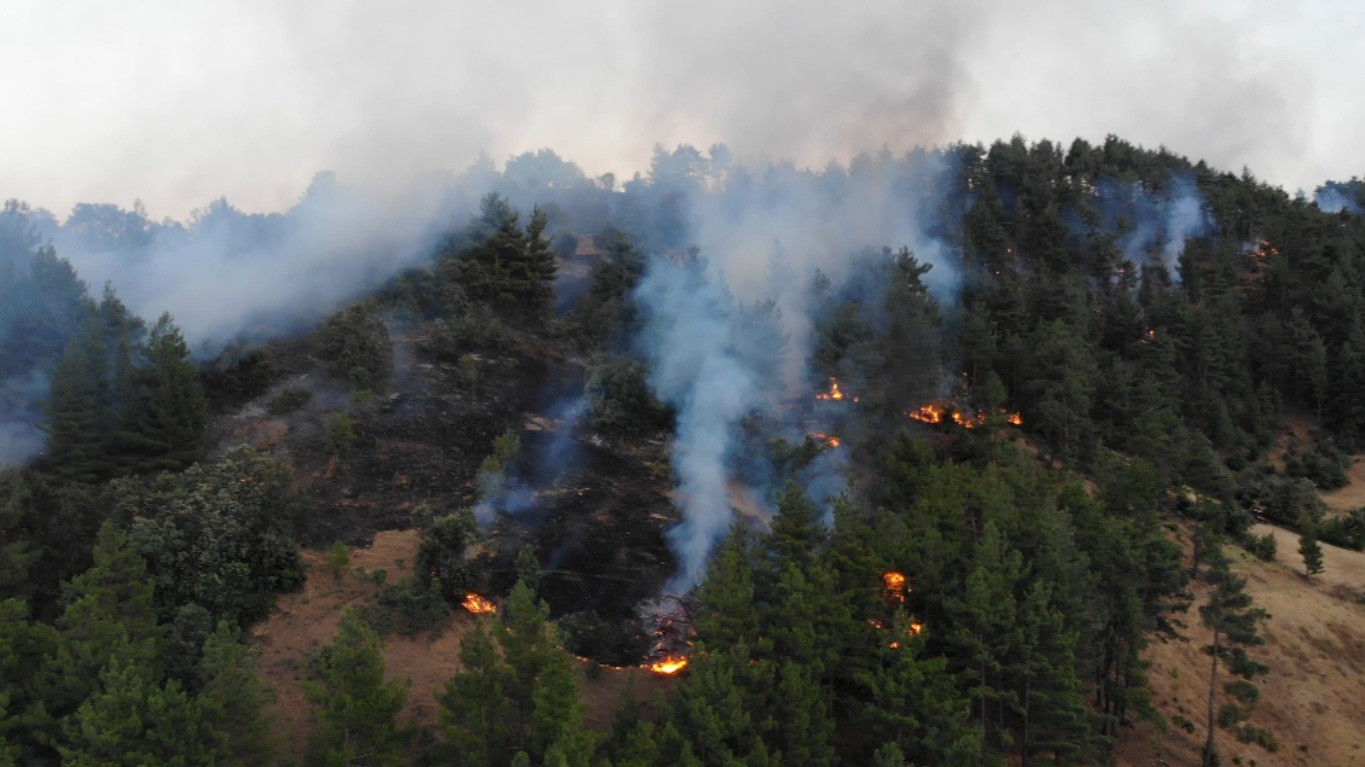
[233, 702]
[357, 710]
[1309, 548]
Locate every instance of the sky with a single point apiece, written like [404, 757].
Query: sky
[178, 104]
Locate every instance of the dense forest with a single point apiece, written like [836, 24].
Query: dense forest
[969, 393]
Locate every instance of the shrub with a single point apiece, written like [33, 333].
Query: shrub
[289, 400]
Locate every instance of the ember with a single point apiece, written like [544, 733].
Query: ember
[478, 605]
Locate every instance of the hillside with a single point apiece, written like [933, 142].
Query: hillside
[1315, 647]
[899, 462]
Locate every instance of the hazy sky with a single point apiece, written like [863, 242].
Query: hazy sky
[182, 102]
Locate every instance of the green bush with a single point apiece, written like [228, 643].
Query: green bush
[338, 434]
[289, 400]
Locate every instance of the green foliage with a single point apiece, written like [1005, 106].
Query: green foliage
[220, 535]
[1261, 546]
[524, 701]
[1309, 548]
[338, 559]
[233, 702]
[357, 714]
[406, 607]
[505, 267]
[620, 402]
[1234, 621]
[356, 346]
[338, 435]
[442, 562]
[290, 400]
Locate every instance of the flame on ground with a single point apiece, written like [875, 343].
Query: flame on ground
[478, 605]
[931, 414]
[835, 393]
[668, 666]
[938, 412]
[827, 439]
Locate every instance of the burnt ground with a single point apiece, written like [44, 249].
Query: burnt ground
[594, 512]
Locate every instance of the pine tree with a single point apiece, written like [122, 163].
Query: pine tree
[1229, 614]
[357, 710]
[475, 711]
[233, 702]
[1309, 548]
[165, 425]
[78, 415]
[109, 613]
[134, 722]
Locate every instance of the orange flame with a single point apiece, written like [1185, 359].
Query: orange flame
[937, 412]
[931, 414]
[827, 439]
[835, 393]
[894, 586]
[478, 605]
[668, 666]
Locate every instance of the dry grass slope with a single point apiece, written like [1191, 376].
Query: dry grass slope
[1315, 647]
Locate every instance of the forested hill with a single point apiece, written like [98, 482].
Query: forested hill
[885, 457]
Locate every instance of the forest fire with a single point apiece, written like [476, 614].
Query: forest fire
[930, 414]
[668, 666]
[820, 436]
[1264, 250]
[835, 393]
[893, 586]
[478, 605]
[937, 412]
[672, 634]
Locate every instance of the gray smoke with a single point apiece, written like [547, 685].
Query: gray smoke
[21, 400]
[226, 273]
[763, 233]
[1334, 199]
[1162, 221]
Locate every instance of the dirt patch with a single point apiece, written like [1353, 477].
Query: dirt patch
[1315, 647]
[1352, 496]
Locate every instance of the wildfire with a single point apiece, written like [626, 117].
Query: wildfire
[937, 412]
[478, 605]
[931, 414]
[893, 586]
[835, 393]
[827, 439]
[1264, 250]
[669, 666]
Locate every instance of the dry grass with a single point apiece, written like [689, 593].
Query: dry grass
[1315, 647]
[305, 622]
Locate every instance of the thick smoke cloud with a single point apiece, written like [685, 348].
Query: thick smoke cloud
[181, 104]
